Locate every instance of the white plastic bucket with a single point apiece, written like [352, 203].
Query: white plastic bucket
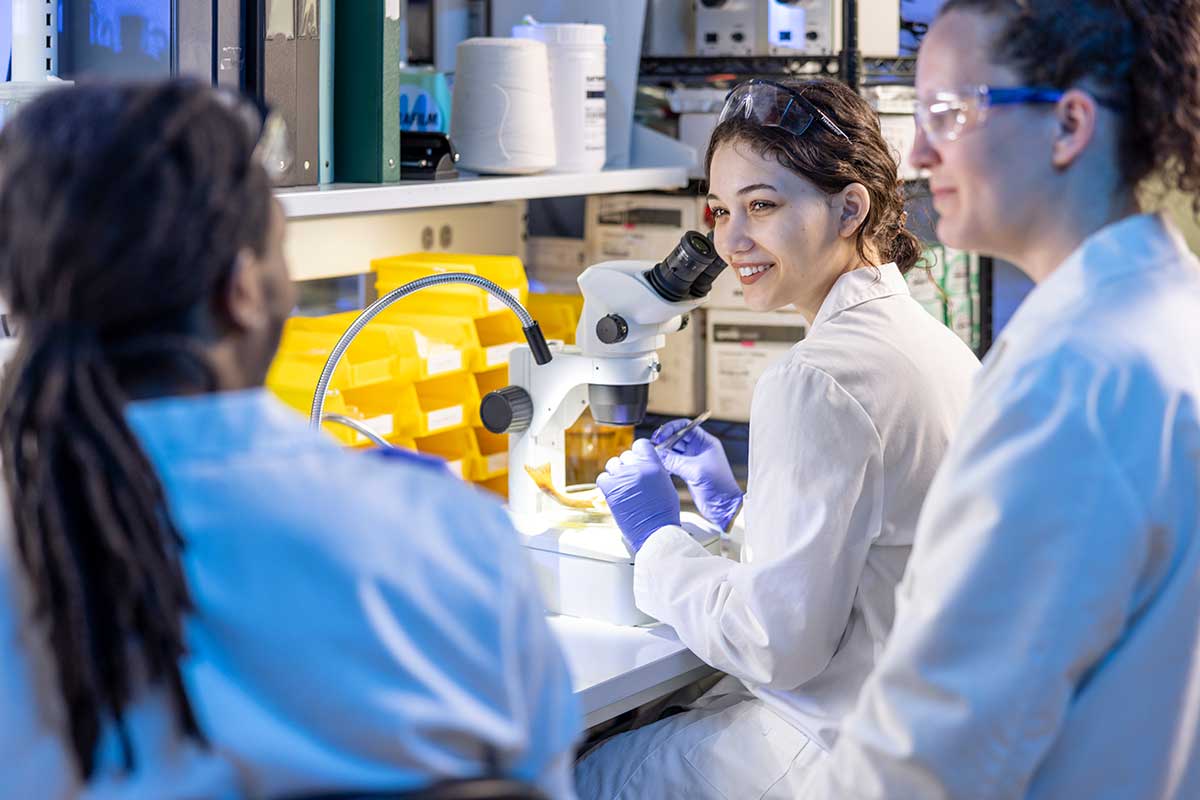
[498, 111]
[577, 88]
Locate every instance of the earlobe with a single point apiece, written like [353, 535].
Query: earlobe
[856, 204]
[243, 293]
[1075, 115]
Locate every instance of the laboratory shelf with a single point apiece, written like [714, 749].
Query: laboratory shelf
[341, 198]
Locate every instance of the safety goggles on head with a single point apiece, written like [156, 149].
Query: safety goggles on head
[955, 112]
[775, 106]
[273, 148]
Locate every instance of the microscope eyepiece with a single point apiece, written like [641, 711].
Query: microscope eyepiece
[688, 270]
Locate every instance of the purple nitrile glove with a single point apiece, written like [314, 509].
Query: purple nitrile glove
[700, 460]
[639, 493]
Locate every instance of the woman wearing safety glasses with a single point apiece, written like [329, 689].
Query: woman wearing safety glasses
[1047, 635]
[846, 433]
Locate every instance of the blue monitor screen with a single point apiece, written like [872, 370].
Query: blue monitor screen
[114, 38]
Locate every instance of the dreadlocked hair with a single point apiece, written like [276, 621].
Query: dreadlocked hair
[122, 210]
[1140, 57]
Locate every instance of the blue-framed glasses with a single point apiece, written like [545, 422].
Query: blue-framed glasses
[952, 113]
[773, 105]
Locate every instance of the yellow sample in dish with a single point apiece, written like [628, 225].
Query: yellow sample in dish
[591, 501]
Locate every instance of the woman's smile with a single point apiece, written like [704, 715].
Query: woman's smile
[750, 273]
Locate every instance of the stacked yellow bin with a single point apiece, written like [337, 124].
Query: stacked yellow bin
[416, 373]
[485, 328]
[557, 314]
[403, 384]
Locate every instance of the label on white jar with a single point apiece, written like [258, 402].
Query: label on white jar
[594, 107]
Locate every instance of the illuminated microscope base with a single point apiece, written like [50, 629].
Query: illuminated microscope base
[583, 566]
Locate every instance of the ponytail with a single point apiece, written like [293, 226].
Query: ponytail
[903, 247]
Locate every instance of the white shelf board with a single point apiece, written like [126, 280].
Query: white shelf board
[345, 198]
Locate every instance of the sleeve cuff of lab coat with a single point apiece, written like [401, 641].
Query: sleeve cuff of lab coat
[670, 541]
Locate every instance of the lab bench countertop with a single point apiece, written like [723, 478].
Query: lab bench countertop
[615, 668]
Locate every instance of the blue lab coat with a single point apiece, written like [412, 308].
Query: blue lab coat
[360, 622]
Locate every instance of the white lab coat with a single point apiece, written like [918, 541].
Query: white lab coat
[360, 623]
[846, 433]
[1047, 636]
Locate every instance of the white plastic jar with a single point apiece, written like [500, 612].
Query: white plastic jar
[577, 89]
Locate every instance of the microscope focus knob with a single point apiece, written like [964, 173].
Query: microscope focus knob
[612, 329]
[507, 410]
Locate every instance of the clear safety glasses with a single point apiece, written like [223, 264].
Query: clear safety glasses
[953, 113]
[775, 106]
[273, 149]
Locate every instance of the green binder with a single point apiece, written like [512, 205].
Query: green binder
[366, 91]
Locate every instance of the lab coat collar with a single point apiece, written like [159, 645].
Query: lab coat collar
[1134, 244]
[220, 423]
[859, 286]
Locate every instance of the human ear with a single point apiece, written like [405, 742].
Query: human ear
[1075, 118]
[855, 205]
[243, 298]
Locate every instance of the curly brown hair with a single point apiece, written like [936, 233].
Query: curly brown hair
[1141, 59]
[831, 162]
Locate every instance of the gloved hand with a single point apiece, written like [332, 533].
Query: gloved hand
[639, 493]
[700, 460]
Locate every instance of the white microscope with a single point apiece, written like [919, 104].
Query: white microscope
[583, 565]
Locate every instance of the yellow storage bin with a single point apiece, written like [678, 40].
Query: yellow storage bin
[485, 340]
[453, 299]
[493, 454]
[302, 355]
[423, 408]
[450, 401]
[497, 485]
[459, 449]
[335, 403]
[396, 402]
[497, 336]
[417, 355]
[557, 314]
[447, 332]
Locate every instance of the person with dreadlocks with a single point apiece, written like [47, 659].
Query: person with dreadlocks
[199, 596]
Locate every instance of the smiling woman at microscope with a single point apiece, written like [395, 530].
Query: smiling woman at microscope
[846, 433]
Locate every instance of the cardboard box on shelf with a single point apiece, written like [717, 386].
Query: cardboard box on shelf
[741, 345]
[639, 226]
[680, 386]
